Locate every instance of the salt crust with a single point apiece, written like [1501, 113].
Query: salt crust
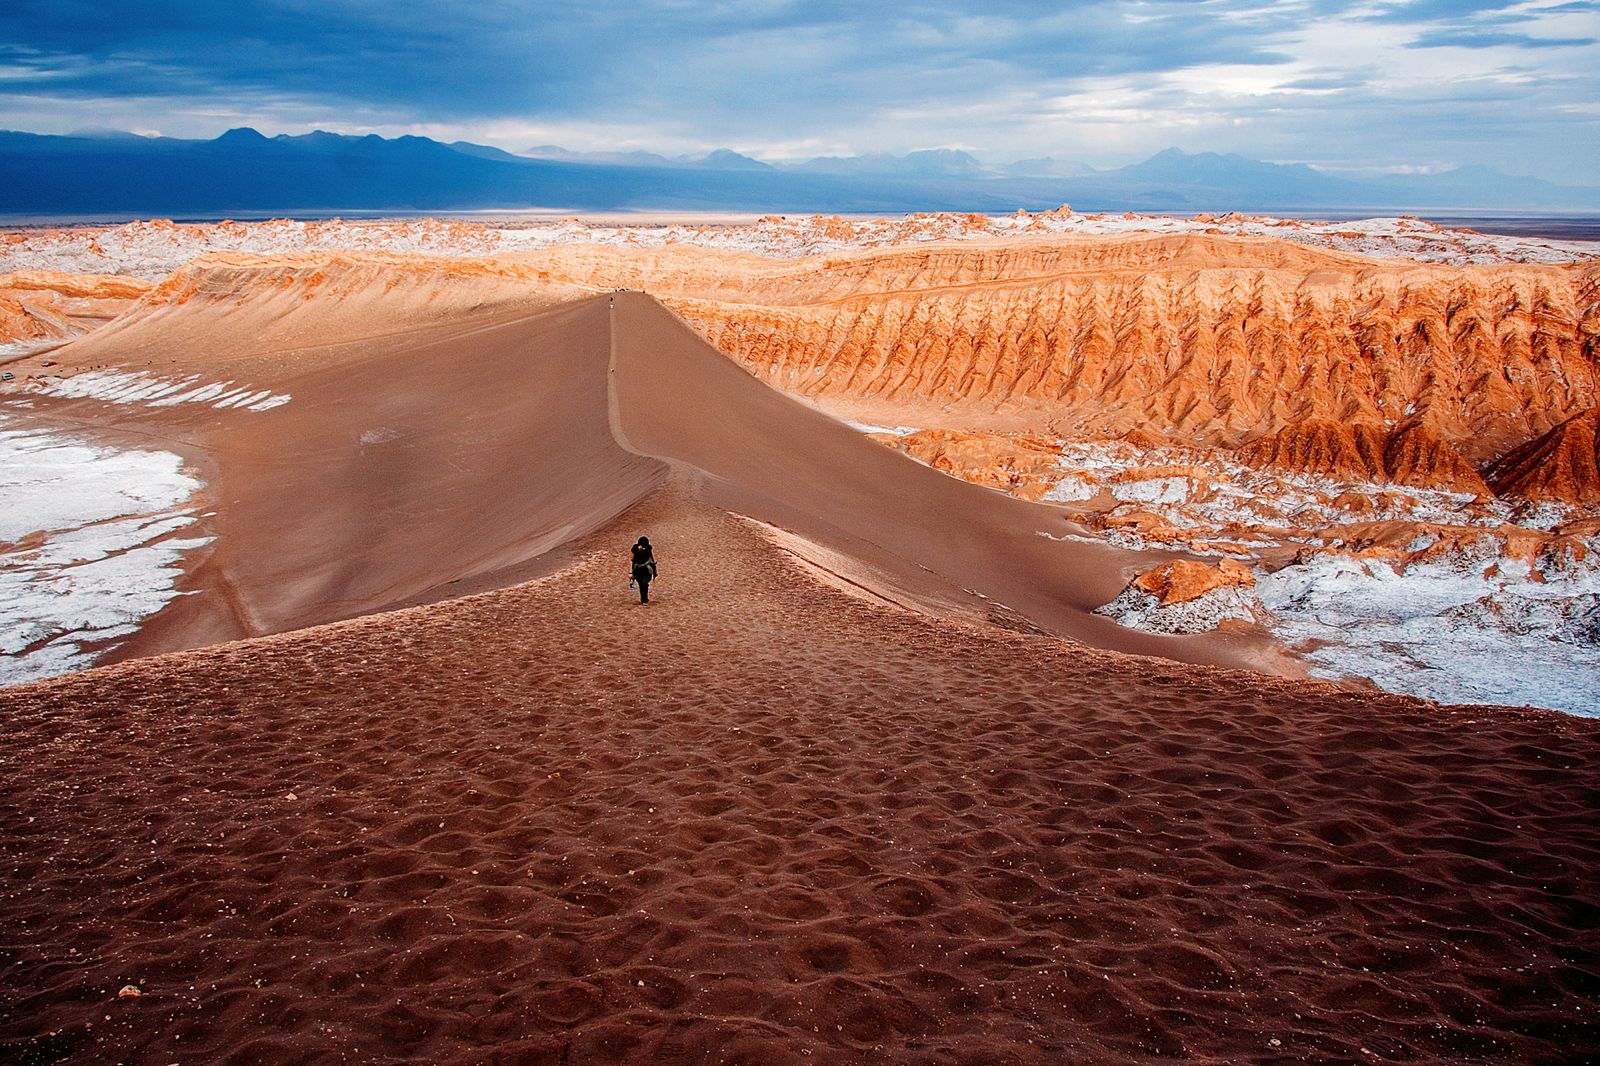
[154, 249]
[122, 386]
[1138, 609]
[89, 546]
[1445, 630]
[1467, 625]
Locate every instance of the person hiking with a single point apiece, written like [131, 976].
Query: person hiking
[644, 568]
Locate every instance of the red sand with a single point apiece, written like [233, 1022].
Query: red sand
[761, 820]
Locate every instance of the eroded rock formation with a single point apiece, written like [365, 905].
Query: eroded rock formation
[1204, 339]
[1025, 466]
[1183, 580]
[1563, 466]
[41, 306]
[1185, 596]
[1413, 454]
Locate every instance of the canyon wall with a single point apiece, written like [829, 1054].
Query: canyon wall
[1194, 339]
[42, 306]
[1205, 340]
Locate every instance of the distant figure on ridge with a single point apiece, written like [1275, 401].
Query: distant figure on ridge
[644, 568]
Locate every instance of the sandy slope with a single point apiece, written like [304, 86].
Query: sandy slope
[760, 821]
[944, 544]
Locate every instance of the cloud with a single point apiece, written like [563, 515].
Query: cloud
[520, 57]
[1492, 39]
[1102, 80]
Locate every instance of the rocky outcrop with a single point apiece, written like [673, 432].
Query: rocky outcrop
[39, 306]
[1184, 596]
[1322, 446]
[1025, 466]
[1562, 466]
[1183, 580]
[1416, 455]
[1413, 454]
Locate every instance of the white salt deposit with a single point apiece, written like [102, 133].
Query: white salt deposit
[868, 427]
[89, 546]
[1153, 490]
[1465, 624]
[1138, 609]
[1444, 630]
[154, 249]
[132, 386]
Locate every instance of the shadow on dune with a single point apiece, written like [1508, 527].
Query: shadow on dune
[943, 544]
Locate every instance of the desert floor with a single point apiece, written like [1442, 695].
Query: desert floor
[762, 820]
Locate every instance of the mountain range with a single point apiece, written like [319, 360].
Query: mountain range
[244, 172]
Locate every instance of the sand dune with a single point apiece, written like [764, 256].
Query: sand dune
[1342, 376]
[341, 493]
[839, 794]
[945, 543]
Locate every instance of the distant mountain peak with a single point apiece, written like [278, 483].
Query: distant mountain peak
[244, 170]
[728, 159]
[1047, 167]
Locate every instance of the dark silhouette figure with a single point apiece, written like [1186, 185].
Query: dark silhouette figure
[644, 568]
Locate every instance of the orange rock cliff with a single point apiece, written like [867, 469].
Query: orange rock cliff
[1208, 340]
[1309, 359]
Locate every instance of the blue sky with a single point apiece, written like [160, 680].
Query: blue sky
[1390, 84]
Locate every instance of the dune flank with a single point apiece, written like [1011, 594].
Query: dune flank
[334, 495]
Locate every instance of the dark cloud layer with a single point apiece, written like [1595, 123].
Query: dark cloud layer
[520, 58]
[1002, 75]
